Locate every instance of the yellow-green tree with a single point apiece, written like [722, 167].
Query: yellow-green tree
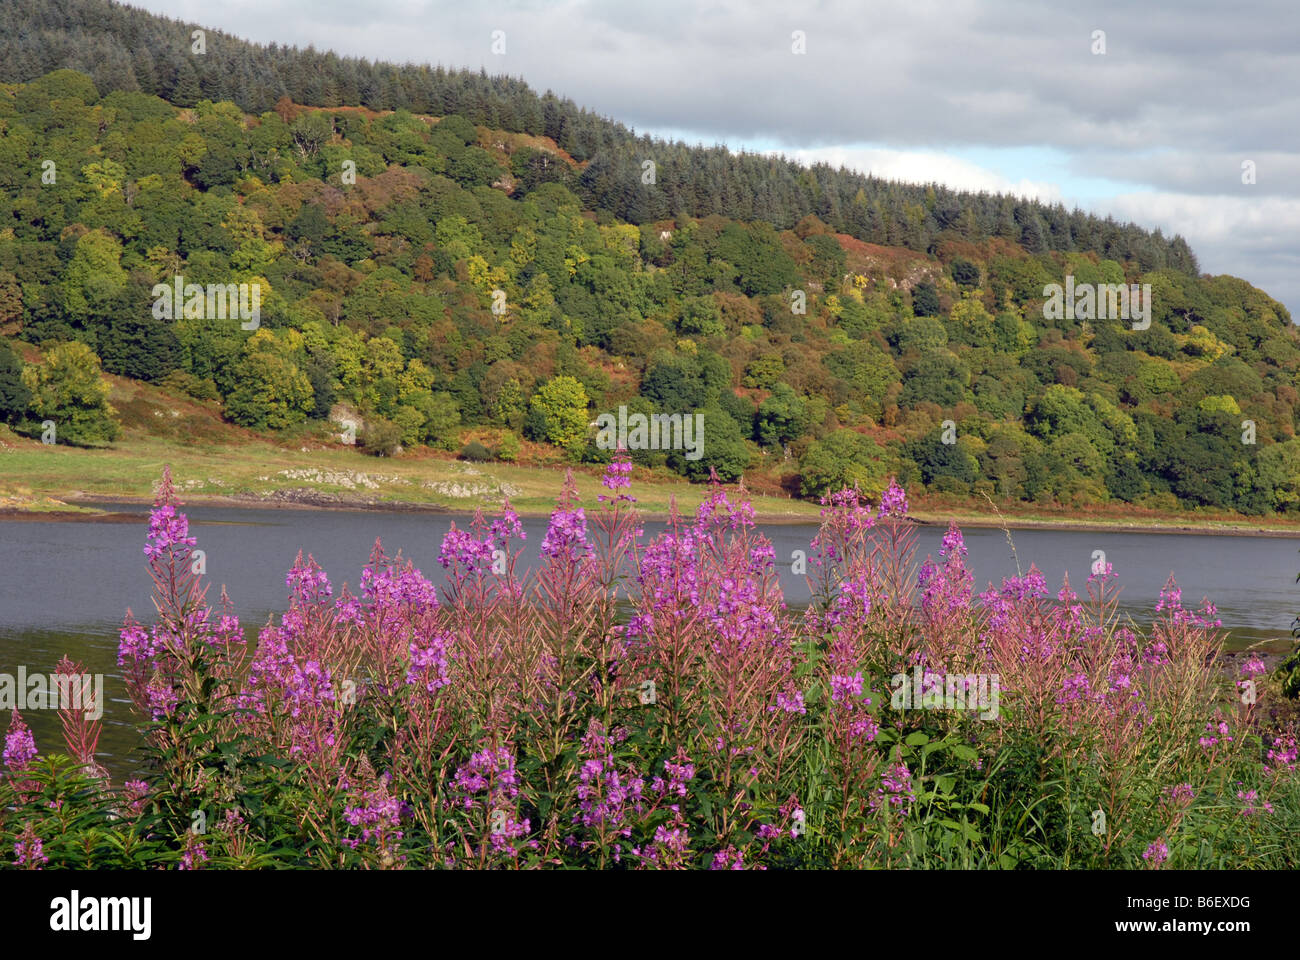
[68, 390]
[272, 392]
[94, 274]
[973, 320]
[561, 404]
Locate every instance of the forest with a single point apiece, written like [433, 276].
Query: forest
[449, 259]
[121, 48]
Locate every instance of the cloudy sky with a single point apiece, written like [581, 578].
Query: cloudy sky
[1005, 95]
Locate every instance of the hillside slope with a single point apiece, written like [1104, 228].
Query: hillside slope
[441, 283]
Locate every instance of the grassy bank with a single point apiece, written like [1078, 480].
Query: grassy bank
[43, 479]
[219, 463]
[257, 471]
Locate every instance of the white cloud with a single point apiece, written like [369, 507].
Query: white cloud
[1229, 234]
[918, 166]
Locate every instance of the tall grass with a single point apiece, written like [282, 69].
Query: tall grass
[635, 704]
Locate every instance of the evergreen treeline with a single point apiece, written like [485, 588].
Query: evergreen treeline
[122, 48]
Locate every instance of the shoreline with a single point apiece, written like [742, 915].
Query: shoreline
[88, 510]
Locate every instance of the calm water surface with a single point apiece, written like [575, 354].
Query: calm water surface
[65, 586]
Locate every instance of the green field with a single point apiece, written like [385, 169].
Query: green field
[259, 470]
[215, 461]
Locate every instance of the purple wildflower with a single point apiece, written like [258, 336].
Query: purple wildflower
[846, 688]
[134, 793]
[895, 788]
[680, 771]
[1253, 667]
[791, 703]
[1249, 798]
[1283, 753]
[29, 851]
[168, 534]
[618, 476]
[1157, 853]
[194, 858]
[461, 547]
[429, 664]
[893, 502]
[491, 770]
[728, 858]
[1181, 794]
[20, 746]
[566, 536]
[375, 810]
[507, 526]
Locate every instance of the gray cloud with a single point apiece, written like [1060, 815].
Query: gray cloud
[926, 73]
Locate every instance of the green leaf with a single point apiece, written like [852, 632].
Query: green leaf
[917, 738]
